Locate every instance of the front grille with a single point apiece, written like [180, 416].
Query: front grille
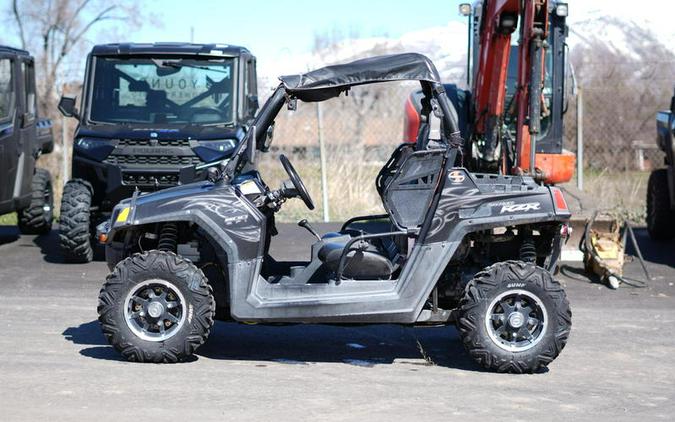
[153, 160]
[153, 142]
[150, 180]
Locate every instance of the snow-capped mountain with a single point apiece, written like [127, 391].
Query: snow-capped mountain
[625, 30]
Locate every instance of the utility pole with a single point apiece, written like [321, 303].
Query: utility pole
[322, 159]
[580, 139]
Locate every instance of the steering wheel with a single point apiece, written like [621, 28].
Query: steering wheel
[297, 182]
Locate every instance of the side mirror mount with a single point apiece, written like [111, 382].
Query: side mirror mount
[252, 104]
[251, 146]
[67, 107]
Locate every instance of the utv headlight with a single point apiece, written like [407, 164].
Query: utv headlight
[214, 150]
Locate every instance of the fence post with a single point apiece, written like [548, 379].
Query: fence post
[322, 158]
[580, 139]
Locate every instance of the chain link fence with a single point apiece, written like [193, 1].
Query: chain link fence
[618, 132]
[360, 130]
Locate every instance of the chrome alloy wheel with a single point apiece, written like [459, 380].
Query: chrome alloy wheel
[516, 320]
[155, 310]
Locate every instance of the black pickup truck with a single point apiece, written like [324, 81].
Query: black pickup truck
[23, 137]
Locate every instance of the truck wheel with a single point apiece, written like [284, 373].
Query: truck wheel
[660, 217]
[74, 222]
[514, 317]
[37, 217]
[156, 307]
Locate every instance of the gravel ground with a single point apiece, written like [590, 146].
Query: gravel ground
[56, 365]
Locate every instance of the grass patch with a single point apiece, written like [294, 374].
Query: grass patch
[350, 180]
[623, 194]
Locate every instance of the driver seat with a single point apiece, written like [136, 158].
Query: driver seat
[365, 261]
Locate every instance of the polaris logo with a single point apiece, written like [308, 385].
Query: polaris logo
[530, 206]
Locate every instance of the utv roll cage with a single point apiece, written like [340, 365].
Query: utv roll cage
[331, 81]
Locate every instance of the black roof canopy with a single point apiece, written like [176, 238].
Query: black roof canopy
[327, 82]
[13, 51]
[169, 48]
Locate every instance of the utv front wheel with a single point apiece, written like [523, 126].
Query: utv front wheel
[514, 317]
[156, 307]
[37, 217]
[74, 222]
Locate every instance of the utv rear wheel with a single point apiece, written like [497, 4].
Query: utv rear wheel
[514, 317]
[660, 216]
[156, 307]
[74, 222]
[37, 217]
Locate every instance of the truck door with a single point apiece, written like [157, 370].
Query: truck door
[28, 131]
[9, 147]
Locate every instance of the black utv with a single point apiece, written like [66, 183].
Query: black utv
[661, 186]
[23, 138]
[153, 116]
[474, 249]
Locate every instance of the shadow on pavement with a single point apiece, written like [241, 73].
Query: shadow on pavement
[51, 251]
[89, 334]
[356, 345]
[303, 344]
[49, 247]
[8, 234]
[658, 252]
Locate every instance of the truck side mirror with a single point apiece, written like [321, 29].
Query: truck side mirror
[67, 107]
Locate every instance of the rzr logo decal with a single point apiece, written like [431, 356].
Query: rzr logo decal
[456, 176]
[530, 206]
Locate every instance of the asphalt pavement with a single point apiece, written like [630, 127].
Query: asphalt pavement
[56, 365]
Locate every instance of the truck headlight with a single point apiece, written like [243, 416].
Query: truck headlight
[214, 150]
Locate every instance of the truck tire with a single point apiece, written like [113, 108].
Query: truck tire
[74, 222]
[514, 317]
[660, 217]
[37, 217]
[156, 307]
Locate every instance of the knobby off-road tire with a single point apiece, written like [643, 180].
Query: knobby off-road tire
[75, 221]
[660, 217]
[489, 303]
[37, 217]
[127, 290]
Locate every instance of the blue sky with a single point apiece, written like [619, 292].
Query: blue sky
[268, 27]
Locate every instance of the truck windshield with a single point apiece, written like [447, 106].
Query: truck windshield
[170, 91]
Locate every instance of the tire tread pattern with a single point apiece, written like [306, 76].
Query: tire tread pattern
[74, 222]
[143, 266]
[32, 219]
[482, 349]
[660, 217]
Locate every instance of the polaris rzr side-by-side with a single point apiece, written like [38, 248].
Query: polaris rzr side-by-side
[153, 116]
[477, 250]
[24, 188]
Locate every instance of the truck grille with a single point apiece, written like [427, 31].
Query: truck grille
[148, 143]
[153, 160]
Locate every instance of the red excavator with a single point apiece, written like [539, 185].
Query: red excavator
[512, 116]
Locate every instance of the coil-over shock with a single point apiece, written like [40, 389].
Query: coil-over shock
[528, 248]
[168, 237]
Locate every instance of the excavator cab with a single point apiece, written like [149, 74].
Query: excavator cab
[513, 124]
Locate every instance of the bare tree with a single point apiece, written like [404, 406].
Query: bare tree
[54, 29]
